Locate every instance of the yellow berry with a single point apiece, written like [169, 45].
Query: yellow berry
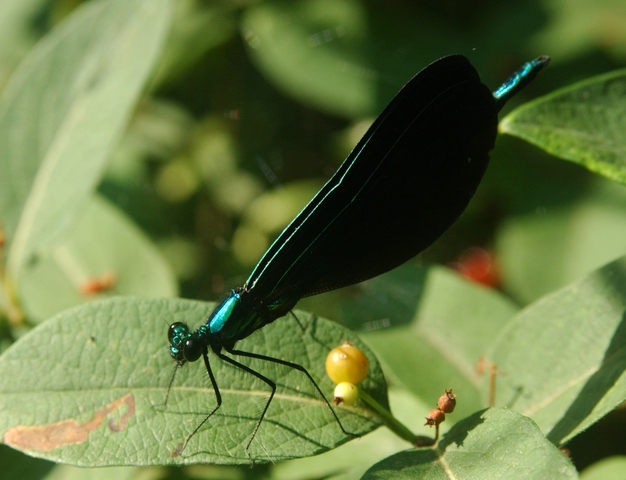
[346, 394]
[347, 364]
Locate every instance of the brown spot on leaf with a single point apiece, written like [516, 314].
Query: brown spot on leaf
[177, 451]
[45, 438]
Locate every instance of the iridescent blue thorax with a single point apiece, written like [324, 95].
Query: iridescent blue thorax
[223, 312]
[233, 319]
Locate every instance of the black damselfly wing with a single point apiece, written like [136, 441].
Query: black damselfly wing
[403, 185]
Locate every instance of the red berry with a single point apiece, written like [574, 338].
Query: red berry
[478, 265]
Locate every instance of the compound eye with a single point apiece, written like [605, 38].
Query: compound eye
[192, 349]
[177, 330]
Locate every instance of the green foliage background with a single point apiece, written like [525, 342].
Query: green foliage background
[169, 142]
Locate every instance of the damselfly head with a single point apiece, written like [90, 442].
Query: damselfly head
[184, 345]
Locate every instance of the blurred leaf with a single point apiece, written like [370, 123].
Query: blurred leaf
[99, 401]
[17, 34]
[160, 128]
[522, 179]
[14, 464]
[611, 468]
[185, 257]
[272, 211]
[248, 245]
[177, 181]
[577, 27]
[62, 112]
[546, 250]
[196, 28]
[350, 57]
[344, 57]
[454, 323]
[104, 242]
[233, 193]
[3, 305]
[158, 131]
[215, 150]
[469, 450]
[267, 215]
[565, 355]
[67, 472]
[583, 123]
[298, 44]
[389, 300]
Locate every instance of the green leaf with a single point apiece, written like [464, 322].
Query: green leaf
[14, 464]
[272, 211]
[543, 251]
[103, 243]
[63, 111]
[565, 355]
[197, 27]
[583, 123]
[266, 216]
[93, 381]
[284, 43]
[454, 324]
[491, 444]
[611, 468]
[17, 34]
[344, 57]
[67, 472]
[578, 29]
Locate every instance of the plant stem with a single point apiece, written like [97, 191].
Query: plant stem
[395, 426]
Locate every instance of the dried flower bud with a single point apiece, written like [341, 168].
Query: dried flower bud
[447, 402]
[435, 417]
